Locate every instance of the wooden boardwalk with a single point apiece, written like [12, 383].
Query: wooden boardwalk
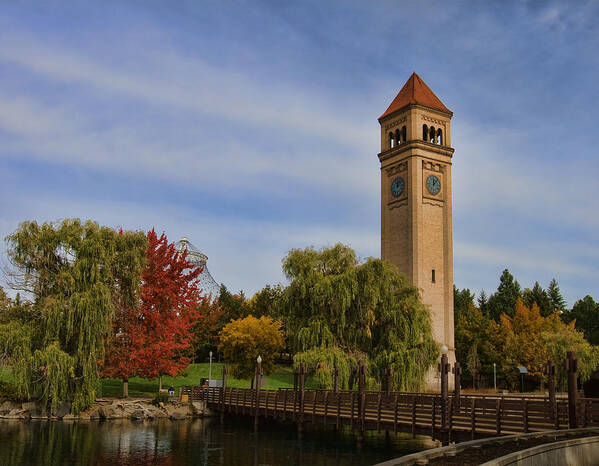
[455, 418]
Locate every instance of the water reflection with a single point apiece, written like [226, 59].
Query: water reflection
[198, 442]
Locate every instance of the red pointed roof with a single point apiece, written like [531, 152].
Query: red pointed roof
[415, 91]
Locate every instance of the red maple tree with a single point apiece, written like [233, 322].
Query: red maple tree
[150, 339]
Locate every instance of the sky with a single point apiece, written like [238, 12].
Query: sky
[251, 126]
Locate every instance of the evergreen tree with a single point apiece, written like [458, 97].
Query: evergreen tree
[234, 306]
[504, 300]
[586, 314]
[558, 303]
[462, 300]
[539, 296]
[483, 302]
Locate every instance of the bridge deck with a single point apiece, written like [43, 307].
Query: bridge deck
[469, 416]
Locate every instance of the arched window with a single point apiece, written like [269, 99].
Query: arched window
[398, 137]
[403, 134]
[424, 133]
[431, 136]
[390, 140]
[439, 137]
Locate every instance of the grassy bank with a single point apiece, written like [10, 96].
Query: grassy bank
[282, 377]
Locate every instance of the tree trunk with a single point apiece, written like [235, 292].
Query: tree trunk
[159, 383]
[125, 388]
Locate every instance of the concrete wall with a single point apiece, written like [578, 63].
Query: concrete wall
[574, 452]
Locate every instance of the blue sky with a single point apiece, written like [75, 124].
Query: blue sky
[251, 126]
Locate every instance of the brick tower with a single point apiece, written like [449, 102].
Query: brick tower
[416, 220]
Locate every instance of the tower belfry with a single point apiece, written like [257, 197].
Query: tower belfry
[416, 218]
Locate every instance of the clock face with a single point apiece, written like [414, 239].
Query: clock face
[433, 184]
[397, 186]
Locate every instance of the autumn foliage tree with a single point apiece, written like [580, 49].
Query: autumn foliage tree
[243, 340]
[151, 338]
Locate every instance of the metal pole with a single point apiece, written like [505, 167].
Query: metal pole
[210, 369]
[223, 393]
[495, 376]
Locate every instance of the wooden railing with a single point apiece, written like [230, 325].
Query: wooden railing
[441, 415]
[417, 413]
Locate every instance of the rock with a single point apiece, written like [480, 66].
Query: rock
[69, 417]
[62, 410]
[198, 407]
[138, 414]
[177, 412]
[111, 412]
[94, 415]
[29, 406]
[7, 406]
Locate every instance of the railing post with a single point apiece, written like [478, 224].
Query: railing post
[457, 372]
[302, 385]
[223, 393]
[550, 372]
[444, 369]
[388, 376]
[361, 383]
[336, 379]
[572, 368]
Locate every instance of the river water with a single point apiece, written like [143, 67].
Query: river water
[191, 442]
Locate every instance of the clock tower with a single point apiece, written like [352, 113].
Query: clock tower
[416, 220]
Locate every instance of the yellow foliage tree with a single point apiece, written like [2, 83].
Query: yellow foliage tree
[522, 335]
[528, 339]
[241, 341]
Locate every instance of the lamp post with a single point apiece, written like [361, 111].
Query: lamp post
[495, 376]
[257, 376]
[210, 369]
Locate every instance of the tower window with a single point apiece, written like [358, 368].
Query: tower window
[391, 141]
[403, 134]
[424, 133]
[431, 136]
[439, 137]
[398, 137]
[433, 276]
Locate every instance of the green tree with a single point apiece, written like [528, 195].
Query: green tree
[585, 313]
[559, 338]
[504, 299]
[77, 274]
[473, 329]
[558, 303]
[462, 300]
[267, 302]
[233, 306]
[341, 312]
[539, 296]
[241, 341]
[483, 302]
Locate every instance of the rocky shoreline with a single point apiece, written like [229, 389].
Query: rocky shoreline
[105, 409]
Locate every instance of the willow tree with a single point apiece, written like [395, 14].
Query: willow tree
[341, 312]
[77, 276]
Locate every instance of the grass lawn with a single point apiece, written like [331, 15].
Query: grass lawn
[282, 377]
